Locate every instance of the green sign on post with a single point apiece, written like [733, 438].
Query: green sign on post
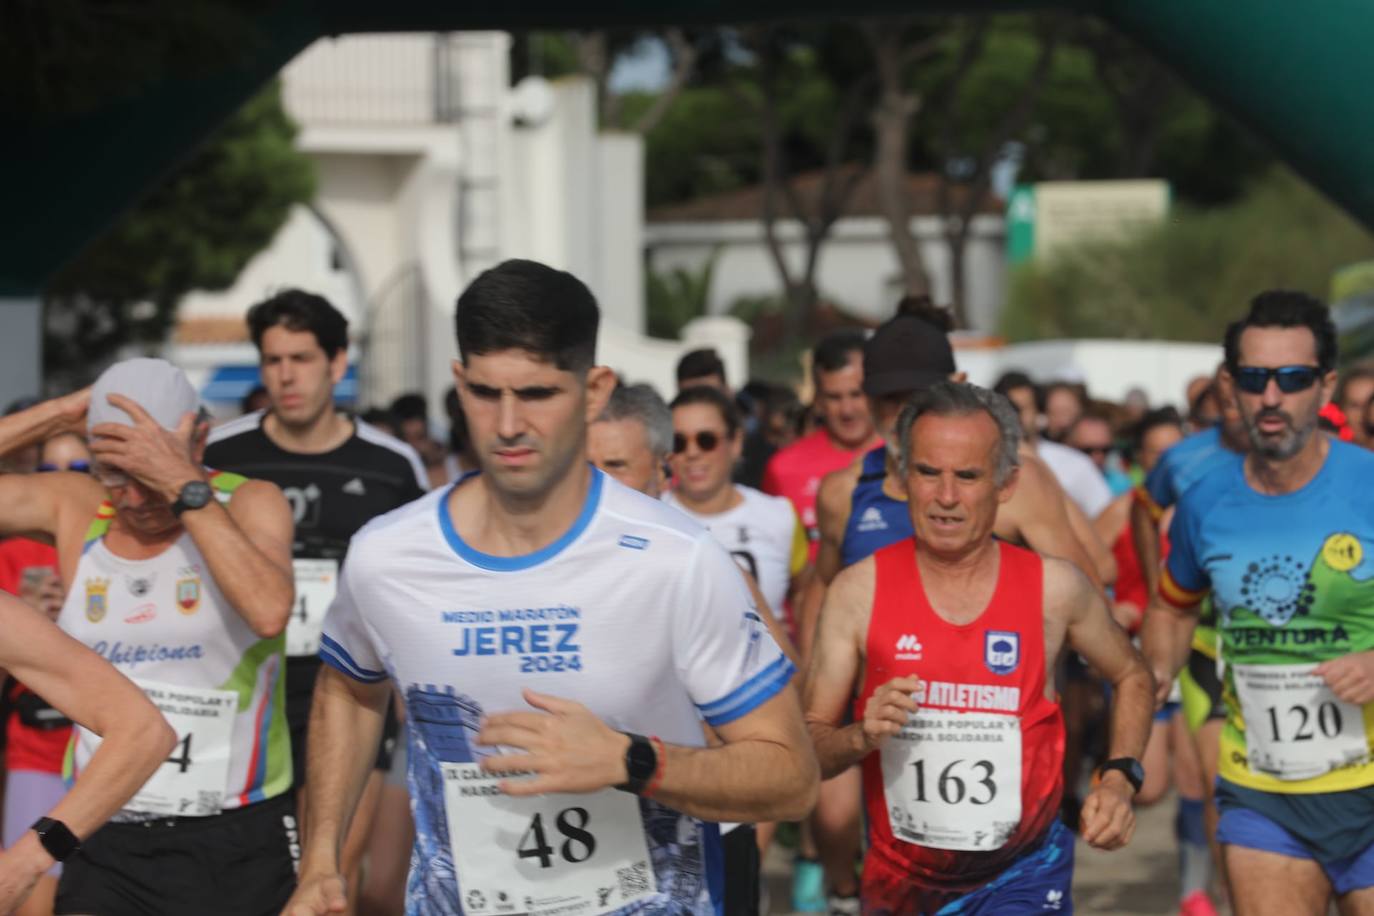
[1021, 224]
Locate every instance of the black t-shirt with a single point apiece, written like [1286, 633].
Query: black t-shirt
[332, 494]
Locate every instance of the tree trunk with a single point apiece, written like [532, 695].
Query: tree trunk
[891, 127]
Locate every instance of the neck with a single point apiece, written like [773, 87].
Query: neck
[867, 444]
[1274, 477]
[511, 526]
[957, 581]
[723, 500]
[326, 432]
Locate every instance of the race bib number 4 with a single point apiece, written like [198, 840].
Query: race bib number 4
[1295, 727]
[316, 583]
[192, 781]
[953, 780]
[551, 855]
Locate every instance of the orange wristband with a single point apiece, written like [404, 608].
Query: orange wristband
[661, 753]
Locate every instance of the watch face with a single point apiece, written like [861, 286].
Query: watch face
[196, 494]
[641, 760]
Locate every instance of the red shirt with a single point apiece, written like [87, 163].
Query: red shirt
[28, 748]
[796, 472]
[977, 680]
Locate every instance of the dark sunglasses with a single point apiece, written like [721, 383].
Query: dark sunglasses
[1095, 449]
[706, 442]
[1254, 379]
[80, 467]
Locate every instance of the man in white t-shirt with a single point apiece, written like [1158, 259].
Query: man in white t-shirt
[761, 532]
[539, 619]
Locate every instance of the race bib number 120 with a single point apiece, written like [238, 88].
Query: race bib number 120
[550, 855]
[1295, 727]
[953, 780]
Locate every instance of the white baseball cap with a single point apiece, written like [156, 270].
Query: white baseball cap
[156, 385]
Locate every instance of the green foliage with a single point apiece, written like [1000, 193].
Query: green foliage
[195, 230]
[1189, 277]
[674, 298]
[701, 146]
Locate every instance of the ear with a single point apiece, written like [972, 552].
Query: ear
[1328, 387]
[601, 381]
[1008, 489]
[338, 365]
[737, 444]
[199, 437]
[960, 377]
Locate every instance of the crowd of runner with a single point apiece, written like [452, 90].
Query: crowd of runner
[601, 649]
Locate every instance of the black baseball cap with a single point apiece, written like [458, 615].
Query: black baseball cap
[906, 354]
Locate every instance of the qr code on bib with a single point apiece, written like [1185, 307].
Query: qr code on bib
[634, 879]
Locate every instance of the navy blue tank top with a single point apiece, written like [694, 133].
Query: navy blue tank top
[875, 519]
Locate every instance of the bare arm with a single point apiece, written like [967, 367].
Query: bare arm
[1108, 821]
[834, 669]
[1145, 534]
[832, 515]
[89, 691]
[1037, 511]
[1165, 639]
[1104, 562]
[763, 771]
[346, 719]
[247, 546]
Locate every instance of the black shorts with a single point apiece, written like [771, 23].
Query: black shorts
[238, 863]
[301, 671]
[741, 853]
[1202, 670]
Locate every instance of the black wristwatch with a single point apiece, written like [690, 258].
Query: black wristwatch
[1128, 767]
[641, 762]
[56, 838]
[195, 495]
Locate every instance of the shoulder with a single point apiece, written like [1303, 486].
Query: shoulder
[1066, 588]
[853, 586]
[391, 531]
[776, 508]
[634, 512]
[239, 426]
[1212, 488]
[388, 450]
[837, 486]
[798, 453]
[1352, 459]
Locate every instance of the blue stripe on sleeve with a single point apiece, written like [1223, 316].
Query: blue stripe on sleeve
[336, 656]
[750, 695]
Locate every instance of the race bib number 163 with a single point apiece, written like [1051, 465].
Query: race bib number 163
[550, 855]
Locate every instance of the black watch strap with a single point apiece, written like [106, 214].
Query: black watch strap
[641, 762]
[56, 838]
[1128, 767]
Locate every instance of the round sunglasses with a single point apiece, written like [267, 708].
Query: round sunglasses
[706, 442]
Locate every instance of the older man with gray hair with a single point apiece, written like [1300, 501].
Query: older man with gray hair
[950, 638]
[632, 439]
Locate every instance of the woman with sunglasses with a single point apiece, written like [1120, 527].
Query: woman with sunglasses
[762, 532]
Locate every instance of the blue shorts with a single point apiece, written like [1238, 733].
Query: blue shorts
[1330, 829]
[1167, 711]
[1039, 882]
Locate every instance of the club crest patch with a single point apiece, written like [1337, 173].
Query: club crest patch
[97, 599]
[1001, 651]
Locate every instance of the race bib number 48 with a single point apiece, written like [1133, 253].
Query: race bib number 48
[953, 780]
[550, 855]
[192, 781]
[1295, 727]
[316, 583]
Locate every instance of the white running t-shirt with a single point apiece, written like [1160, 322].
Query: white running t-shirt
[635, 611]
[764, 535]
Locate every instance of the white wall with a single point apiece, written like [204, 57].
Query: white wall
[857, 267]
[1110, 368]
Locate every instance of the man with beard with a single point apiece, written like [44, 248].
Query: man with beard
[1282, 543]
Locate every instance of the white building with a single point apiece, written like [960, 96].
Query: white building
[431, 169]
[857, 269]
